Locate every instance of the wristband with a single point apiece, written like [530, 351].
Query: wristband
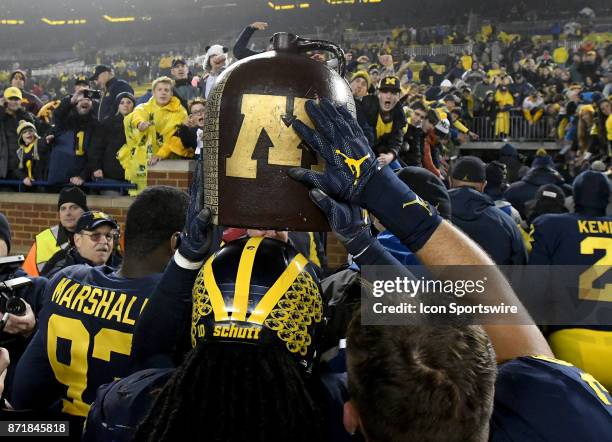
[409, 217]
[186, 264]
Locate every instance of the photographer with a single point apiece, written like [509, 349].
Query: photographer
[75, 129]
[19, 328]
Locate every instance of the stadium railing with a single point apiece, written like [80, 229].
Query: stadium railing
[520, 129]
[122, 187]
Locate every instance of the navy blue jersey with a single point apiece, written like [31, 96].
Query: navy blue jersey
[84, 338]
[572, 239]
[584, 243]
[544, 399]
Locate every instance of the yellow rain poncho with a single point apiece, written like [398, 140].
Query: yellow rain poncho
[159, 139]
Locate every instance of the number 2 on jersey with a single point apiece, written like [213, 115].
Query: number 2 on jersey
[74, 375]
[597, 270]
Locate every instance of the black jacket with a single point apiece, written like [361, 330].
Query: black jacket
[412, 149]
[70, 150]
[188, 136]
[524, 190]
[39, 167]
[241, 49]
[108, 105]
[104, 150]
[62, 259]
[185, 92]
[368, 111]
[9, 163]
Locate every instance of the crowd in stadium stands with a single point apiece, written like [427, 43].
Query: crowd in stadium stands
[503, 87]
[188, 367]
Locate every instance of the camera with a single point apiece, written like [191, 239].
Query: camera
[10, 302]
[92, 94]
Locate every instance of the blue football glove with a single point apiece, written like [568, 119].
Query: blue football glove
[196, 240]
[352, 175]
[347, 222]
[341, 143]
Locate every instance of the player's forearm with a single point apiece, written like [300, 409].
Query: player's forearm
[450, 247]
[159, 327]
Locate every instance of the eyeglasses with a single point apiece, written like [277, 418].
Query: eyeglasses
[97, 236]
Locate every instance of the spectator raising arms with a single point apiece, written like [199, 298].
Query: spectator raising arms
[76, 127]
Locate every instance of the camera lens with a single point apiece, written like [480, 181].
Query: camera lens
[15, 306]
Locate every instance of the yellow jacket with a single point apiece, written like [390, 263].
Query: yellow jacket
[166, 121]
[503, 99]
[159, 139]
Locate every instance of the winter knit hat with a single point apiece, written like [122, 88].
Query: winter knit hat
[542, 159]
[23, 125]
[73, 195]
[591, 190]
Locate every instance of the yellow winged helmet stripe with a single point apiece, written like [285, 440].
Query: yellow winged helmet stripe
[243, 279]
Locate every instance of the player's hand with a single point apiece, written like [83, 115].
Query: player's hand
[352, 175]
[21, 325]
[341, 143]
[98, 173]
[259, 25]
[4, 363]
[27, 181]
[346, 220]
[197, 238]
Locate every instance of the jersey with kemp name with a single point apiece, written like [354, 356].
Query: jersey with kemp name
[544, 399]
[90, 319]
[572, 239]
[578, 250]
